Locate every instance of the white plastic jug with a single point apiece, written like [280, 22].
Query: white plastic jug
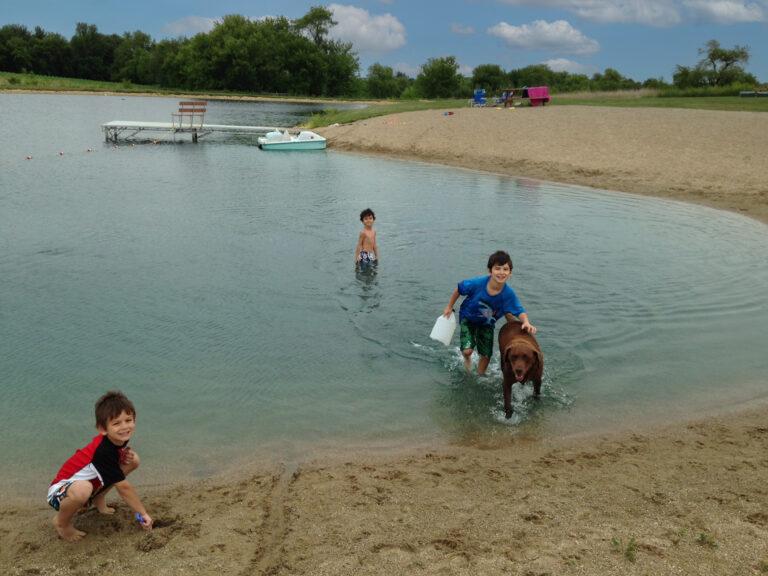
[444, 328]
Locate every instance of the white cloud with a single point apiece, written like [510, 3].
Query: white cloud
[565, 65]
[189, 26]
[367, 33]
[558, 36]
[462, 30]
[725, 11]
[652, 12]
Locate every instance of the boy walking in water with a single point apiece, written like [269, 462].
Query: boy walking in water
[366, 251]
[487, 298]
[88, 475]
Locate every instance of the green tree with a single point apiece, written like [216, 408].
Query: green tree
[93, 53]
[722, 65]
[316, 23]
[230, 49]
[489, 76]
[193, 63]
[166, 64]
[686, 77]
[719, 67]
[271, 55]
[439, 78]
[543, 75]
[133, 59]
[342, 67]
[403, 82]
[15, 54]
[381, 82]
[611, 80]
[655, 83]
[566, 82]
[51, 54]
[534, 75]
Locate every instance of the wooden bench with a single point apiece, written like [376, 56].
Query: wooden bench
[190, 115]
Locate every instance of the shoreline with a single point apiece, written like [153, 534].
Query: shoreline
[687, 497]
[704, 157]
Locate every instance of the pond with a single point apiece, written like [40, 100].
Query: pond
[214, 283]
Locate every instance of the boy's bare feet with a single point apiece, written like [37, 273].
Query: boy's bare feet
[100, 502]
[68, 532]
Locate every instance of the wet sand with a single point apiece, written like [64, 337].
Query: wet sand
[687, 498]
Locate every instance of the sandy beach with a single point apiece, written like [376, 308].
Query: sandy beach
[687, 498]
[708, 157]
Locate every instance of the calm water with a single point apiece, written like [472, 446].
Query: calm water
[214, 283]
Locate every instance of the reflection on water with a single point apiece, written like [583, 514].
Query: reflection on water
[366, 275]
[213, 283]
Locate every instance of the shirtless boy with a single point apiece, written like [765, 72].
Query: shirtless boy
[366, 251]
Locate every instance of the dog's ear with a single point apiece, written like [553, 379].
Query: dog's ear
[537, 371]
[504, 359]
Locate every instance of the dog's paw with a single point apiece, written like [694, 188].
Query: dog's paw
[507, 413]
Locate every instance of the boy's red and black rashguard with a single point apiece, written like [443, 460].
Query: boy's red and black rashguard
[99, 463]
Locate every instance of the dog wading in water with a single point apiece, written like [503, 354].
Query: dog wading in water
[521, 361]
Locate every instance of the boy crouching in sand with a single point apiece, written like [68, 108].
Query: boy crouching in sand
[91, 472]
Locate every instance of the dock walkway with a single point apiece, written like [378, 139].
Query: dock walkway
[128, 128]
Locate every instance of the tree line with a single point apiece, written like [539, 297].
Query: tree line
[274, 55]
[297, 57]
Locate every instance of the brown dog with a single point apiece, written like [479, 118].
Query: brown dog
[521, 361]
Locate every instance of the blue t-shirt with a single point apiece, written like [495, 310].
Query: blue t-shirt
[481, 308]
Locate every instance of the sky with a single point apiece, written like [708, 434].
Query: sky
[640, 38]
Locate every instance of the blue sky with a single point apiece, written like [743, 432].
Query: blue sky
[640, 38]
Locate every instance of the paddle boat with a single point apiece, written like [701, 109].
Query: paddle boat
[304, 140]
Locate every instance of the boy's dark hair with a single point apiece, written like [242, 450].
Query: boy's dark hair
[367, 212]
[111, 405]
[499, 258]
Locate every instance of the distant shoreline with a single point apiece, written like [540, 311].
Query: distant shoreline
[209, 97]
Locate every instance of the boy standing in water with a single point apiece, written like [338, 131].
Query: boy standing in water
[366, 251]
[487, 298]
[88, 475]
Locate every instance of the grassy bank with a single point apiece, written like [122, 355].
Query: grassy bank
[34, 82]
[650, 99]
[333, 116]
[10, 81]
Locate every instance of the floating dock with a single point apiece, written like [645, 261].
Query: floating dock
[127, 129]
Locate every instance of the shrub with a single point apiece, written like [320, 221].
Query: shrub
[731, 90]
